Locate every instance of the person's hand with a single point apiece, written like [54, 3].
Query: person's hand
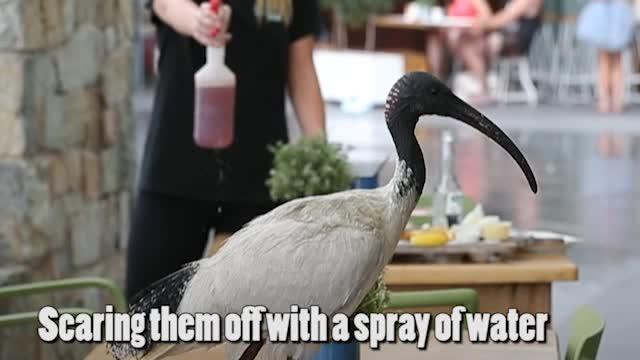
[480, 25]
[210, 29]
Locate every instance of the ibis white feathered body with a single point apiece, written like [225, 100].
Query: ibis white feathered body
[322, 251]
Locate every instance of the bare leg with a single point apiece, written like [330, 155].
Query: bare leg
[604, 144]
[604, 83]
[472, 51]
[453, 38]
[434, 45]
[494, 44]
[617, 82]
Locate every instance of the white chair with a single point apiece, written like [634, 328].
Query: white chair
[543, 59]
[526, 90]
[575, 64]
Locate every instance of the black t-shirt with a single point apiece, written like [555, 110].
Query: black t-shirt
[258, 55]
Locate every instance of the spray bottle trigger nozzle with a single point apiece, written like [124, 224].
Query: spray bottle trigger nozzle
[215, 7]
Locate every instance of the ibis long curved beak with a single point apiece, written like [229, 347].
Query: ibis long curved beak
[456, 108]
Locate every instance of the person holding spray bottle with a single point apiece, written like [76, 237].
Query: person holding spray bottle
[199, 171]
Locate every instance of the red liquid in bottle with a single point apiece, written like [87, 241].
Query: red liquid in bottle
[214, 126]
[214, 102]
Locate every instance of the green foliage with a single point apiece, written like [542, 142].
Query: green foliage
[376, 300]
[356, 12]
[426, 2]
[309, 167]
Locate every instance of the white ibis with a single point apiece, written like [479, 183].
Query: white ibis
[326, 250]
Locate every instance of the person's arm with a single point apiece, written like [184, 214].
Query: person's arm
[189, 19]
[510, 13]
[304, 88]
[483, 8]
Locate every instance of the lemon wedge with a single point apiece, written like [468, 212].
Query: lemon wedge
[430, 238]
[497, 231]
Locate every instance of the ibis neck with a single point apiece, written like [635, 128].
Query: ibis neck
[409, 152]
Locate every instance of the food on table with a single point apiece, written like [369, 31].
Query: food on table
[465, 234]
[487, 220]
[475, 226]
[430, 237]
[496, 231]
[474, 216]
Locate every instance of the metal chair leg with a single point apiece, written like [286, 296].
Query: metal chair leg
[370, 35]
[524, 75]
[502, 86]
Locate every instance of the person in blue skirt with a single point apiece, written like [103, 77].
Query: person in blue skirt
[608, 25]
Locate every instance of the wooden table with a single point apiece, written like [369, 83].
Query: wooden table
[398, 22]
[523, 283]
[435, 351]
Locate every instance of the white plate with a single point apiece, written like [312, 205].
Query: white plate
[545, 235]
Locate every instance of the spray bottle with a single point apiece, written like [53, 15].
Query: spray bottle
[215, 91]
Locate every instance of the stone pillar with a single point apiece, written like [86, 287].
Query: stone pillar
[66, 151]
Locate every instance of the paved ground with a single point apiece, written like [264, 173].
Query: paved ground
[588, 166]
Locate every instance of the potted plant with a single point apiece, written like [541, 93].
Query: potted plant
[309, 167]
[353, 14]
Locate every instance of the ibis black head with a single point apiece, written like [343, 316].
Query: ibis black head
[420, 93]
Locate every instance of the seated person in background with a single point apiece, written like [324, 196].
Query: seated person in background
[511, 28]
[469, 44]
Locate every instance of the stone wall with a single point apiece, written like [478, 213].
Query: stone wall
[66, 152]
